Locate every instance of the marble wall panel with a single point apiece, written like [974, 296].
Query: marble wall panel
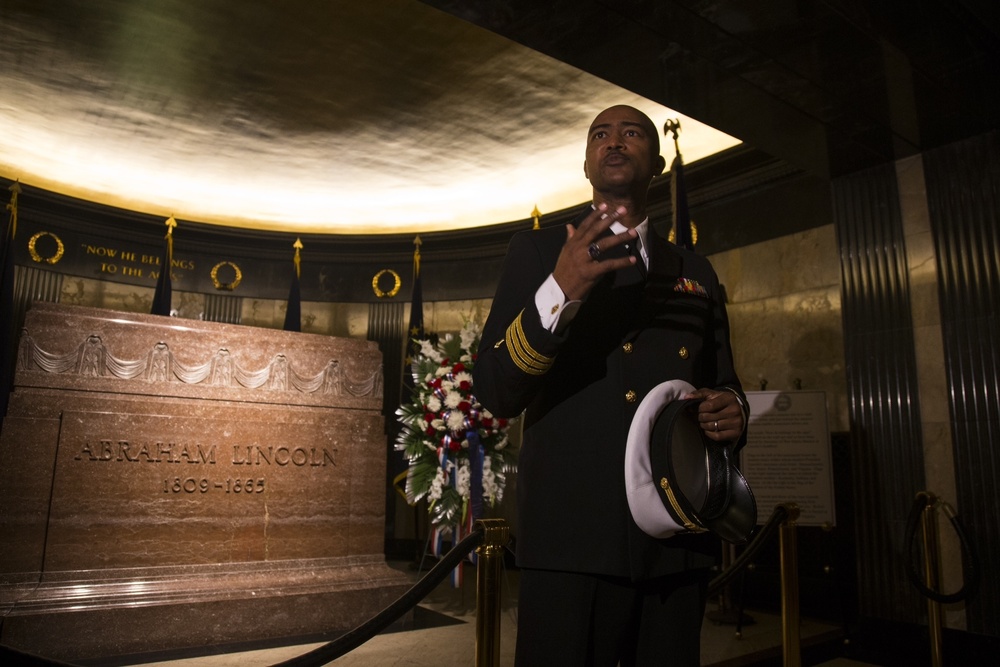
[450, 317]
[783, 266]
[785, 316]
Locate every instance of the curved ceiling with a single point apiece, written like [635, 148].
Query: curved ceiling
[308, 116]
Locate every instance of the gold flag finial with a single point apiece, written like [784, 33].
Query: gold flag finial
[170, 223]
[673, 126]
[298, 258]
[537, 216]
[416, 255]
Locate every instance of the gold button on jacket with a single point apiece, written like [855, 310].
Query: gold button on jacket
[682, 353]
[630, 396]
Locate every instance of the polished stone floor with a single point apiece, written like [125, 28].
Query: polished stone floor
[444, 633]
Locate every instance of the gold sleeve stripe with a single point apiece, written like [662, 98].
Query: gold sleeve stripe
[524, 356]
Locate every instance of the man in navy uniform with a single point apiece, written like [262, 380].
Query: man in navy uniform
[586, 320]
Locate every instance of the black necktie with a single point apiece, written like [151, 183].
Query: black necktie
[633, 249]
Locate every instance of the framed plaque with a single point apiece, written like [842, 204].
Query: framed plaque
[787, 457]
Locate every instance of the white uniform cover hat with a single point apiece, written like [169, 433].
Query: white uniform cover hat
[676, 478]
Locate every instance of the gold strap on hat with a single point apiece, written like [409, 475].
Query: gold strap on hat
[688, 523]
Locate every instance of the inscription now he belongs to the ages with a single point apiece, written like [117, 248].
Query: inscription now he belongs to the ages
[124, 451]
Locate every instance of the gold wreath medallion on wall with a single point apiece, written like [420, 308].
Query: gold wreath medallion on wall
[60, 248]
[395, 287]
[228, 287]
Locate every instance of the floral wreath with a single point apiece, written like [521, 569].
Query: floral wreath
[458, 452]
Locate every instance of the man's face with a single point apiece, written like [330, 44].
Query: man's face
[622, 153]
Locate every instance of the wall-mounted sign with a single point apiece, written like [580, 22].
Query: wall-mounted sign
[787, 457]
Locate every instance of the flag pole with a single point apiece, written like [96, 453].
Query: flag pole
[683, 232]
[164, 288]
[414, 331]
[293, 309]
[8, 335]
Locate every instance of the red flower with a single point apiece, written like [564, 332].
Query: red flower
[502, 423]
[465, 385]
[455, 446]
[487, 422]
[431, 431]
[458, 368]
[428, 417]
[465, 406]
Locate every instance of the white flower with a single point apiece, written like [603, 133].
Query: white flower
[464, 376]
[438, 424]
[489, 480]
[433, 404]
[429, 351]
[440, 479]
[469, 335]
[462, 478]
[456, 420]
[452, 399]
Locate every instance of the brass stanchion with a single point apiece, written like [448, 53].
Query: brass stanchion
[496, 534]
[790, 637]
[932, 573]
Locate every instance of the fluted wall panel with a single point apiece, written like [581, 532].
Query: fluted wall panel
[223, 308]
[963, 191]
[887, 459]
[387, 327]
[31, 284]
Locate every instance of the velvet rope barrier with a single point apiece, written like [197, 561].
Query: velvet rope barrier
[779, 515]
[355, 638]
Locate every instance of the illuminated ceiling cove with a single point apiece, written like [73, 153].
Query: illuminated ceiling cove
[310, 116]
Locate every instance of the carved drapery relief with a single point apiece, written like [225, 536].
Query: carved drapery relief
[93, 359]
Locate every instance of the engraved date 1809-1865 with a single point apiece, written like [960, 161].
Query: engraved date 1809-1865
[204, 485]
